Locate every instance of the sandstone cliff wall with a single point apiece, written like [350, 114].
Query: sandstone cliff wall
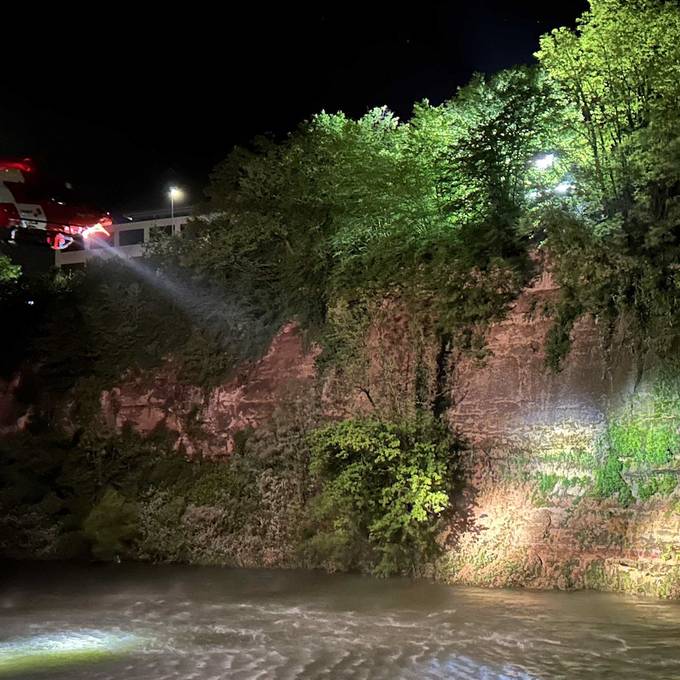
[530, 516]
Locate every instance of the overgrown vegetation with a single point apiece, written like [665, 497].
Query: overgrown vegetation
[641, 448]
[360, 495]
[438, 214]
[635, 457]
[126, 497]
[384, 489]
[616, 247]
[342, 211]
[348, 225]
[9, 271]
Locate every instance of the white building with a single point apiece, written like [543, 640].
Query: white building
[127, 238]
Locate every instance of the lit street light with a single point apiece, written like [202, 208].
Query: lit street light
[175, 194]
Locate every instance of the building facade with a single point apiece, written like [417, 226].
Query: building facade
[127, 239]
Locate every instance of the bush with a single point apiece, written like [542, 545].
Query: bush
[111, 525]
[128, 496]
[383, 490]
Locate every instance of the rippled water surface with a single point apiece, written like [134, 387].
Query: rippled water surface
[134, 622]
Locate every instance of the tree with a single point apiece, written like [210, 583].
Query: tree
[616, 251]
[503, 121]
[618, 71]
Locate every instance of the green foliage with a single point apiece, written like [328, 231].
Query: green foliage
[384, 489]
[636, 457]
[346, 211]
[501, 123]
[9, 272]
[632, 290]
[111, 525]
[615, 244]
[545, 484]
[609, 480]
[618, 72]
[641, 447]
[644, 440]
[661, 485]
[128, 497]
[83, 332]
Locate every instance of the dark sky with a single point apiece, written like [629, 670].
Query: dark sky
[122, 104]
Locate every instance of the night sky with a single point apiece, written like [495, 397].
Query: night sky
[124, 105]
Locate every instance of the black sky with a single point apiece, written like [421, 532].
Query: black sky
[124, 102]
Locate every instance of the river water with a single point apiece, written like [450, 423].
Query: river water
[137, 622]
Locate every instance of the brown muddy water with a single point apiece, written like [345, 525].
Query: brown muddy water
[140, 622]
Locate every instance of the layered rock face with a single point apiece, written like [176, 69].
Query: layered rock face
[206, 421]
[530, 516]
[536, 447]
[512, 400]
[569, 542]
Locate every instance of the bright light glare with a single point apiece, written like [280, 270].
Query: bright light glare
[563, 188]
[62, 649]
[176, 194]
[95, 229]
[545, 161]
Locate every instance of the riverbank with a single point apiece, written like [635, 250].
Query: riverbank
[135, 500]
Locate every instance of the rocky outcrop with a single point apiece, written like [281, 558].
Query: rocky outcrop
[534, 519]
[513, 400]
[207, 420]
[528, 518]
[516, 539]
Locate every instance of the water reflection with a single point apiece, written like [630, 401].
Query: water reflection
[63, 649]
[206, 623]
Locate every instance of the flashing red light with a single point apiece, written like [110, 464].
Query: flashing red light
[24, 165]
[60, 241]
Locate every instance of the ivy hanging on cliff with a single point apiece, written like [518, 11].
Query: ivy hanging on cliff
[345, 212]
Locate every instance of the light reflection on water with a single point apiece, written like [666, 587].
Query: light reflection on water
[163, 622]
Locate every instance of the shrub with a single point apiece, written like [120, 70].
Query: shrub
[111, 525]
[383, 490]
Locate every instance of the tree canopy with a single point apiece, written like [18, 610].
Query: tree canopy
[617, 249]
[577, 156]
[426, 210]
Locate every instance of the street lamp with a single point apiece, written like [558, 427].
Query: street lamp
[175, 194]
